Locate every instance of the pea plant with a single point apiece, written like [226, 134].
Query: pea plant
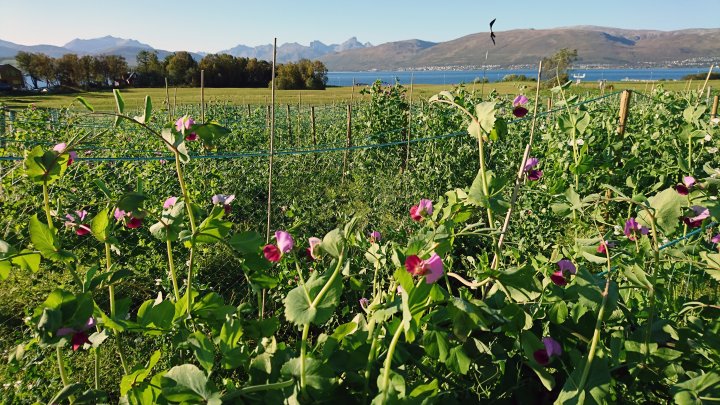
[620, 307]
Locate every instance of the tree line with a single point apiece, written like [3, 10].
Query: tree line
[179, 68]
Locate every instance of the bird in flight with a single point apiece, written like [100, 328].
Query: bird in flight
[492, 34]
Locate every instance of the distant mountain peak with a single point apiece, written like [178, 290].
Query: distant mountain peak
[100, 45]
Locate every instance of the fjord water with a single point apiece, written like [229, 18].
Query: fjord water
[451, 77]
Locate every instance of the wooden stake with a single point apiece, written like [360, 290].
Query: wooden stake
[167, 100]
[174, 108]
[624, 106]
[349, 140]
[713, 112]
[248, 110]
[2, 124]
[202, 95]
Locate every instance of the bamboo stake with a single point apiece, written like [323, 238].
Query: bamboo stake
[174, 108]
[713, 112]
[624, 107]
[707, 78]
[288, 123]
[202, 95]
[271, 107]
[312, 126]
[409, 128]
[520, 175]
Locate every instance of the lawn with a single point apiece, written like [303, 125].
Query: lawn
[103, 100]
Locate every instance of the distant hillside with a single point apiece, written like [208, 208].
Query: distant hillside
[595, 45]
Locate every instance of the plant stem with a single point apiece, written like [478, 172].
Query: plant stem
[388, 361]
[596, 333]
[191, 216]
[303, 348]
[61, 366]
[171, 265]
[46, 202]
[111, 288]
[96, 370]
[656, 257]
[371, 358]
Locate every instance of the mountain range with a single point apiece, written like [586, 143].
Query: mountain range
[595, 45]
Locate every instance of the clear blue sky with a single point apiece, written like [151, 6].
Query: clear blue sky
[214, 25]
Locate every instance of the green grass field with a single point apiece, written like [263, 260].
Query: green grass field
[134, 97]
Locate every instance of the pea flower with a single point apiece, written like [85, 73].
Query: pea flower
[423, 209]
[285, 243]
[183, 124]
[364, 302]
[133, 222]
[532, 174]
[79, 336]
[552, 349]
[561, 277]
[700, 214]
[375, 237]
[687, 184]
[76, 221]
[60, 149]
[715, 239]
[225, 200]
[631, 226]
[604, 246]
[313, 249]
[518, 110]
[170, 202]
[431, 268]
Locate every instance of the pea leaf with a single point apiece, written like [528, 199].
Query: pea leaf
[298, 302]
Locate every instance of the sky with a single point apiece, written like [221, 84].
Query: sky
[215, 25]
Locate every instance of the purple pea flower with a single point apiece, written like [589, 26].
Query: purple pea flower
[532, 173]
[552, 349]
[700, 214]
[518, 110]
[313, 249]
[375, 237]
[79, 336]
[77, 222]
[561, 277]
[183, 124]
[687, 184]
[170, 202]
[60, 149]
[631, 226]
[364, 302]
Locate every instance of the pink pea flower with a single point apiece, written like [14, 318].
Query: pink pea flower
[183, 124]
[60, 149]
[604, 246]
[700, 214]
[364, 302]
[421, 210]
[285, 244]
[79, 336]
[77, 222]
[313, 249]
[375, 237]
[715, 239]
[545, 355]
[631, 226]
[119, 214]
[561, 277]
[520, 111]
[687, 184]
[170, 202]
[225, 200]
[133, 222]
[431, 268]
